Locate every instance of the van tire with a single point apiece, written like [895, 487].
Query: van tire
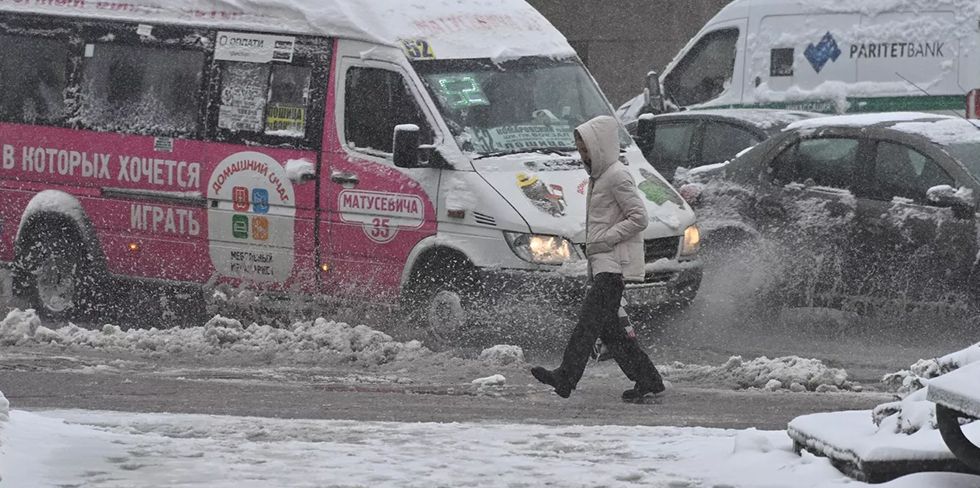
[55, 275]
[439, 296]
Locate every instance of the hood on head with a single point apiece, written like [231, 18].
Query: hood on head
[601, 136]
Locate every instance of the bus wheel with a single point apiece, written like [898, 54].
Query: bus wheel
[55, 277]
[440, 295]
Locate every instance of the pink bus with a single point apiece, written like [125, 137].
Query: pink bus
[364, 150]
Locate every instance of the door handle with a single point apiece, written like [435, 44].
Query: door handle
[344, 178]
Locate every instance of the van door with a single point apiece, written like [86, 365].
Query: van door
[266, 119]
[710, 72]
[378, 212]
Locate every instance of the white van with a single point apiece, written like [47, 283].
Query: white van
[828, 56]
[376, 151]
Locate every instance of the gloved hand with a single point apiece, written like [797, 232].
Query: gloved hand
[598, 247]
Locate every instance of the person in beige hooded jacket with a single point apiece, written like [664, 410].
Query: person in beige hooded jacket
[615, 219]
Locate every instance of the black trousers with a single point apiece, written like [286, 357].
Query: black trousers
[600, 319]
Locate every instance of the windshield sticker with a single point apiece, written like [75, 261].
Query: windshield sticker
[656, 190]
[417, 49]
[461, 91]
[250, 220]
[549, 198]
[523, 136]
[254, 48]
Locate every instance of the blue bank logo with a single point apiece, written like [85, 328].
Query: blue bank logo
[823, 52]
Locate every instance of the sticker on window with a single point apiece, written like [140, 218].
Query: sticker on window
[243, 97]
[418, 49]
[254, 48]
[461, 91]
[286, 121]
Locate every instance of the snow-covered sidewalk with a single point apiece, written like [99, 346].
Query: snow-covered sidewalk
[110, 449]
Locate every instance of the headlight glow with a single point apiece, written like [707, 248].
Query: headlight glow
[540, 249]
[692, 241]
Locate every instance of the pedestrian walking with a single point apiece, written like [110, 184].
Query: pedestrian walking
[615, 219]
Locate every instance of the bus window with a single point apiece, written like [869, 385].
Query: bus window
[264, 98]
[32, 79]
[140, 89]
[289, 95]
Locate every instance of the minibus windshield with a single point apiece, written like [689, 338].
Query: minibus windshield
[524, 105]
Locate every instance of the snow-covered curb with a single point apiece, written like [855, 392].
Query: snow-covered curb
[331, 341]
[914, 412]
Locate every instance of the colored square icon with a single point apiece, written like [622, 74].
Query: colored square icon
[260, 200]
[239, 226]
[239, 199]
[260, 228]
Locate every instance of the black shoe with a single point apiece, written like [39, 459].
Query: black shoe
[638, 392]
[553, 379]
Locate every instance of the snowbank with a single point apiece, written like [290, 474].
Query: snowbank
[334, 341]
[785, 373]
[503, 354]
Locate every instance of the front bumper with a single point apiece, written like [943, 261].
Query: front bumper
[665, 281]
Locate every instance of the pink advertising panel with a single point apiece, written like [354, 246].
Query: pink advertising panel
[170, 209]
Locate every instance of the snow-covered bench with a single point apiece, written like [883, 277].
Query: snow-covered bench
[957, 395]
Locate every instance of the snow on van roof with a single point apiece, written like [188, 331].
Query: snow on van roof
[870, 7]
[454, 29]
[941, 129]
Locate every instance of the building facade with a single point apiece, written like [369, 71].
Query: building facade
[621, 40]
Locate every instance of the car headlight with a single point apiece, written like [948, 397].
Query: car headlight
[541, 249]
[692, 241]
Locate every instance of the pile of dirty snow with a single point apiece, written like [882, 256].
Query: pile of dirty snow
[913, 412]
[331, 341]
[503, 354]
[785, 373]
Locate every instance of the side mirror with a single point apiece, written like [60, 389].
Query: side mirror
[652, 94]
[646, 132]
[960, 201]
[406, 146]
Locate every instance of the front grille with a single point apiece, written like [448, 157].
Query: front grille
[663, 248]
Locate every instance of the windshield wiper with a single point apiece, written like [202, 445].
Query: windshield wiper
[560, 151]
